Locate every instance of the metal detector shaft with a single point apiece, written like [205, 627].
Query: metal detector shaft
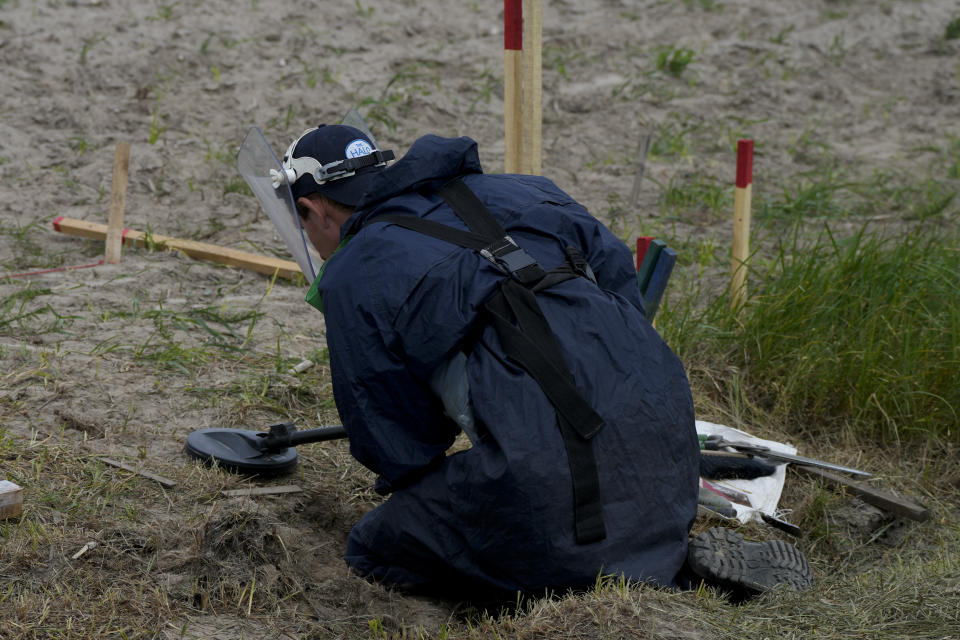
[285, 435]
[320, 434]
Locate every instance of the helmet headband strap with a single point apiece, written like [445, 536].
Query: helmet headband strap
[295, 168]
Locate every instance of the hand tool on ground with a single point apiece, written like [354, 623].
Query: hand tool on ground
[715, 441]
[740, 467]
[730, 494]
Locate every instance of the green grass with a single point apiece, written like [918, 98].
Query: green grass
[156, 128]
[19, 315]
[672, 59]
[177, 559]
[952, 30]
[696, 191]
[831, 192]
[25, 252]
[860, 331]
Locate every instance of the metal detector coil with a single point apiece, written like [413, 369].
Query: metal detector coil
[256, 453]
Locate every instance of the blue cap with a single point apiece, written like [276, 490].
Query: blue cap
[334, 143]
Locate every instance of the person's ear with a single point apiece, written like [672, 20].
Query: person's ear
[307, 205]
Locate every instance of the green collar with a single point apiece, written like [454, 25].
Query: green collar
[313, 295]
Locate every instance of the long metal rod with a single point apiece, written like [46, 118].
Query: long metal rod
[717, 442]
[320, 434]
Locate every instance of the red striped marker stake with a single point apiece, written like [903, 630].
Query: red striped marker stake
[512, 57]
[741, 224]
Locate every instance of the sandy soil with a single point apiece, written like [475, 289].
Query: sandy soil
[872, 84]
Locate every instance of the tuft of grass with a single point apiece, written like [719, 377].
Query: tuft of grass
[156, 128]
[830, 192]
[27, 251]
[20, 316]
[862, 331]
[412, 82]
[164, 12]
[952, 31]
[88, 44]
[696, 191]
[558, 57]
[905, 597]
[311, 74]
[673, 137]
[706, 5]
[672, 59]
[364, 12]
[237, 184]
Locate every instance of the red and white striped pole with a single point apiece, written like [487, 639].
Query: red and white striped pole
[741, 224]
[512, 57]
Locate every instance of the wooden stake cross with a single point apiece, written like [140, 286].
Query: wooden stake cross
[118, 201]
[222, 255]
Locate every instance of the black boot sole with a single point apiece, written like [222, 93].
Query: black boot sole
[723, 558]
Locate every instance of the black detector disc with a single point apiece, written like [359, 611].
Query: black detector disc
[259, 453]
[240, 451]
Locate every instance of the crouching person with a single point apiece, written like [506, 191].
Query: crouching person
[498, 306]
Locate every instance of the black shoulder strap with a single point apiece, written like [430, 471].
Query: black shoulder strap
[486, 236]
[527, 338]
[467, 239]
[471, 210]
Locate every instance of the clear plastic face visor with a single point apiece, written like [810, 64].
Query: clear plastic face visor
[267, 177]
[271, 180]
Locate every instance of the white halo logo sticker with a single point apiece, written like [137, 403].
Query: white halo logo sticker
[358, 148]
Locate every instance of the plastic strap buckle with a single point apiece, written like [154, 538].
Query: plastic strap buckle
[508, 257]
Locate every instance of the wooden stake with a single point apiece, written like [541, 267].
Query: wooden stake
[877, 497]
[201, 250]
[146, 474]
[741, 224]
[532, 86]
[11, 500]
[261, 491]
[512, 57]
[118, 201]
[643, 150]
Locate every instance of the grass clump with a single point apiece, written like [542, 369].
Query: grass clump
[695, 192]
[673, 60]
[953, 30]
[862, 330]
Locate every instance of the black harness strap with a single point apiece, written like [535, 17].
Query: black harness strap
[526, 336]
[467, 239]
[471, 209]
[532, 345]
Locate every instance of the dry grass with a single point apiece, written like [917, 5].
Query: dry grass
[186, 562]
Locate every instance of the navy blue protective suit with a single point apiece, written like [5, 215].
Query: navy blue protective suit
[499, 515]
